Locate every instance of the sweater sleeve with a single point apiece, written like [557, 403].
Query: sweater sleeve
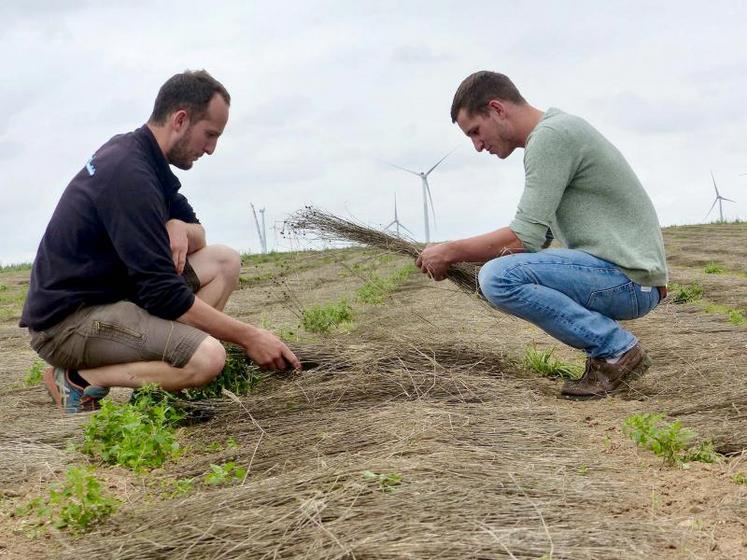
[181, 209]
[550, 163]
[134, 213]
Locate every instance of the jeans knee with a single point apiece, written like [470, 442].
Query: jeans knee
[494, 280]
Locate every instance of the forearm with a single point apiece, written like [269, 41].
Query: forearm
[217, 324]
[482, 248]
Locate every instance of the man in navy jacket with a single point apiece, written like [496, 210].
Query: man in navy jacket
[124, 289]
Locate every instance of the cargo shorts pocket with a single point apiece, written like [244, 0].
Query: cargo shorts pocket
[111, 330]
[619, 303]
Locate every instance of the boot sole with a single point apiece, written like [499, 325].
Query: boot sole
[636, 373]
[51, 386]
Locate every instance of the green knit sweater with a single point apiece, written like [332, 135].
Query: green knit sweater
[580, 186]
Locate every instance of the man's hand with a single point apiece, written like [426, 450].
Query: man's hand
[435, 260]
[179, 241]
[269, 352]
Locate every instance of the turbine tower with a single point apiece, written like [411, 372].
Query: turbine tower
[260, 230]
[396, 221]
[719, 198]
[426, 193]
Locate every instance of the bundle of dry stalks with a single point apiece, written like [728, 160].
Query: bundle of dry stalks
[329, 227]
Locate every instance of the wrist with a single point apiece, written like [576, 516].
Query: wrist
[451, 252]
[247, 334]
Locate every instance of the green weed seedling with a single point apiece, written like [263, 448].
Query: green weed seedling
[33, 376]
[139, 435]
[739, 478]
[735, 316]
[542, 362]
[176, 487]
[387, 482]
[224, 474]
[321, 318]
[75, 505]
[686, 294]
[670, 441]
[714, 268]
[239, 375]
[377, 288]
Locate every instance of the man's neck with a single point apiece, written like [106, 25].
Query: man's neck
[160, 134]
[527, 118]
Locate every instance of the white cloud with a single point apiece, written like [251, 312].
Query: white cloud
[323, 92]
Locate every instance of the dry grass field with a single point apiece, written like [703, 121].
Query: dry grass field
[420, 435]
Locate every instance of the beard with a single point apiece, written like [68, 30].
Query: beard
[179, 155]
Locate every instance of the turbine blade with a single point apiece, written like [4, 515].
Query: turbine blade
[711, 210]
[439, 161]
[403, 168]
[714, 184]
[407, 230]
[391, 224]
[729, 199]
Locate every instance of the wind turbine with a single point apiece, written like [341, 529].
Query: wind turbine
[719, 198]
[260, 231]
[396, 221]
[426, 193]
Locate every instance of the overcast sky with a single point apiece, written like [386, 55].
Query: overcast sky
[324, 92]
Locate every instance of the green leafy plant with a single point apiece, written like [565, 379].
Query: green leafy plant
[739, 478]
[377, 288]
[736, 317]
[75, 505]
[685, 294]
[138, 435]
[240, 376]
[670, 441]
[714, 268]
[176, 487]
[321, 318]
[543, 362]
[224, 474]
[387, 482]
[34, 374]
[733, 315]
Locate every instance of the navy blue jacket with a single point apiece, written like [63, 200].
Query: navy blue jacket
[107, 239]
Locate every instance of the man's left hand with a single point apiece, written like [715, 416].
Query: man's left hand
[179, 242]
[434, 261]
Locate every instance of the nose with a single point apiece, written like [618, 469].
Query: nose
[210, 147]
[479, 144]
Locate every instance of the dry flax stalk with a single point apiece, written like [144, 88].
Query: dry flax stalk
[329, 227]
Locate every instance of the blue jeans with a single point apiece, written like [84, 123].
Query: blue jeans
[571, 295]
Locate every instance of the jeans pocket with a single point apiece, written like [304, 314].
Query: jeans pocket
[619, 303]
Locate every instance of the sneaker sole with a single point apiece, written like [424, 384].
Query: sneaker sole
[51, 386]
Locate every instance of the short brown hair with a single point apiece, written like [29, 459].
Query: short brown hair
[477, 89]
[191, 91]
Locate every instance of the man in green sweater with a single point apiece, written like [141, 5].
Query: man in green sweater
[580, 190]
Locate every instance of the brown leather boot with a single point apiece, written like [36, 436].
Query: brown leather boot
[602, 378]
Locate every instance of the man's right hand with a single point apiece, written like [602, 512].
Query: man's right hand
[269, 352]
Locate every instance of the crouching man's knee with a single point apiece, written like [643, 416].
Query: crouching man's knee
[229, 262]
[206, 363]
[495, 283]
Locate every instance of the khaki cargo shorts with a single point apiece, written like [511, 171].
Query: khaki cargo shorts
[118, 333]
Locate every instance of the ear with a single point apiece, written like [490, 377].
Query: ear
[497, 106]
[180, 120]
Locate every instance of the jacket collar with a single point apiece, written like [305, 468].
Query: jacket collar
[169, 181]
